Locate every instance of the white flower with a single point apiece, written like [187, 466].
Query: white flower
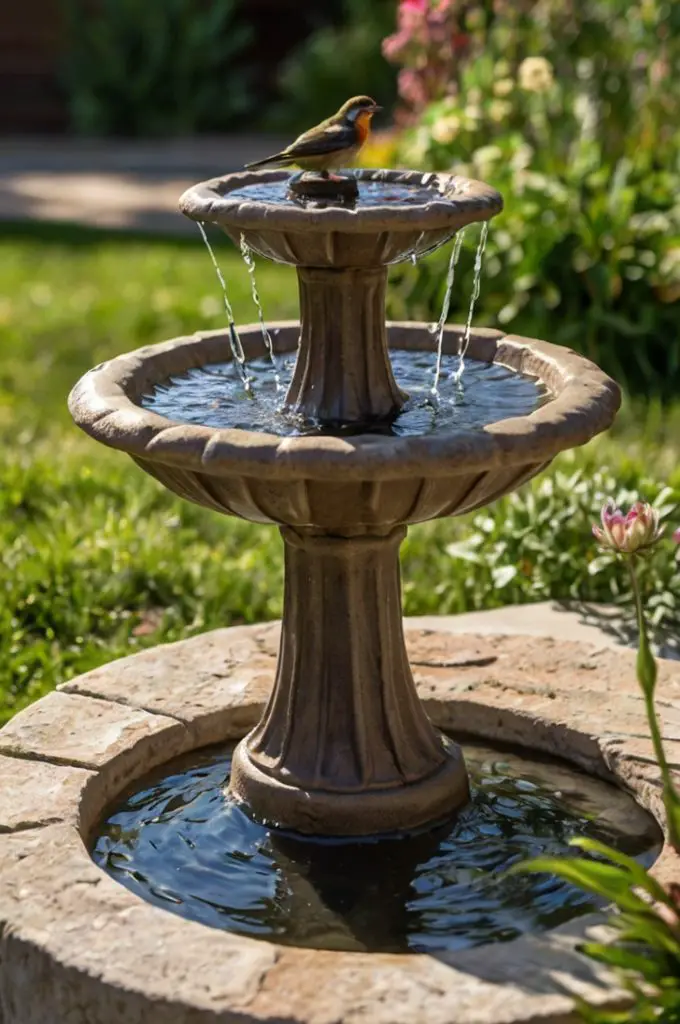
[499, 110]
[446, 129]
[535, 74]
[503, 87]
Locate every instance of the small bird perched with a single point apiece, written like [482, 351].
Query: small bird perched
[333, 143]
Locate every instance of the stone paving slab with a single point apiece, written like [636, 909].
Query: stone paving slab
[221, 678]
[598, 624]
[33, 793]
[67, 729]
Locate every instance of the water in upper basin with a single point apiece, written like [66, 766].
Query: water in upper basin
[179, 842]
[371, 194]
[214, 396]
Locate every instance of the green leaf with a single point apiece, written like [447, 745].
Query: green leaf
[604, 880]
[638, 875]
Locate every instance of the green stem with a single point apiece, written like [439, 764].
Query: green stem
[646, 673]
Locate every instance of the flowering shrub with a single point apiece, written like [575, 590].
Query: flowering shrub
[428, 43]
[571, 112]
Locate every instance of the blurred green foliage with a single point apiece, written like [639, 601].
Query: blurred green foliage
[336, 61]
[161, 67]
[572, 112]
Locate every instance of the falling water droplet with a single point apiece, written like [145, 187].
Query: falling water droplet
[476, 287]
[438, 328]
[247, 254]
[417, 251]
[234, 340]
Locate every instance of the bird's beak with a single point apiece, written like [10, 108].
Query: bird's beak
[375, 109]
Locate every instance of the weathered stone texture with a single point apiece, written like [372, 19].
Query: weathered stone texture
[76, 948]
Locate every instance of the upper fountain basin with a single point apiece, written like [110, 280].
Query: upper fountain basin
[398, 215]
[346, 485]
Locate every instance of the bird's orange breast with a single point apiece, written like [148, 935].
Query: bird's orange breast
[363, 125]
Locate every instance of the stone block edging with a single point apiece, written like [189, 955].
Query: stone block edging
[77, 948]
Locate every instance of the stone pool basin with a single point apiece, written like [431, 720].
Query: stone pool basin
[77, 947]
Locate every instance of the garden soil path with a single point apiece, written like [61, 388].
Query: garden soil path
[119, 184]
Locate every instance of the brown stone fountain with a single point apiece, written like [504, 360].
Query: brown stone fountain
[344, 746]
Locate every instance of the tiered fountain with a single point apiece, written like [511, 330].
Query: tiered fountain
[344, 747]
[346, 826]
[345, 823]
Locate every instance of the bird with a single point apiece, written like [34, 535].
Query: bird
[333, 143]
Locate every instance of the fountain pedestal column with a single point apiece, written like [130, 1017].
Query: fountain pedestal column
[343, 372]
[344, 746]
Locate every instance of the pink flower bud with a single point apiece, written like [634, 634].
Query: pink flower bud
[635, 531]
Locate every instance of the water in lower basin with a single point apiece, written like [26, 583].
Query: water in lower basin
[180, 843]
[214, 396]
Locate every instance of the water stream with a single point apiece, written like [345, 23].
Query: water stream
[476, 286]
[438, 328]
[234, 340]
[247, 254]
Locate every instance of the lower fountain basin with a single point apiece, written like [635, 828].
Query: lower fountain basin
[77, 946]
[349, 486]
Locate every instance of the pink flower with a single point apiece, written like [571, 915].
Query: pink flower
[635, 531]
[420, 6]
[394, 46]
[412, 88]
[676, 536]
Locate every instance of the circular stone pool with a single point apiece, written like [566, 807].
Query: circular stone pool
[180, 843]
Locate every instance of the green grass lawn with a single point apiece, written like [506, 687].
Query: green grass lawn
[99, 561]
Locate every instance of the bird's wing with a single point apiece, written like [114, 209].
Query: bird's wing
[326, 140]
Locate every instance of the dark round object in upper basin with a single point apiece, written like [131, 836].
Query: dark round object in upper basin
[343, 187]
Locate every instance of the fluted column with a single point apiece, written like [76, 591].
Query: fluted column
[343, 372]
[344, 746]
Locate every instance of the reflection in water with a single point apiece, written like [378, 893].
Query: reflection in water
[214, 396]
[181, 844]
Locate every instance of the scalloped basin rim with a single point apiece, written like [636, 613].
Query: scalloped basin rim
[103, 404]
[209, 202]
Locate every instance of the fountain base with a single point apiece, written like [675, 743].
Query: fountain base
[396, 809]
[344, 747]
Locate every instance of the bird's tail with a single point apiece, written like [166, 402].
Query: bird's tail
[276, 159]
